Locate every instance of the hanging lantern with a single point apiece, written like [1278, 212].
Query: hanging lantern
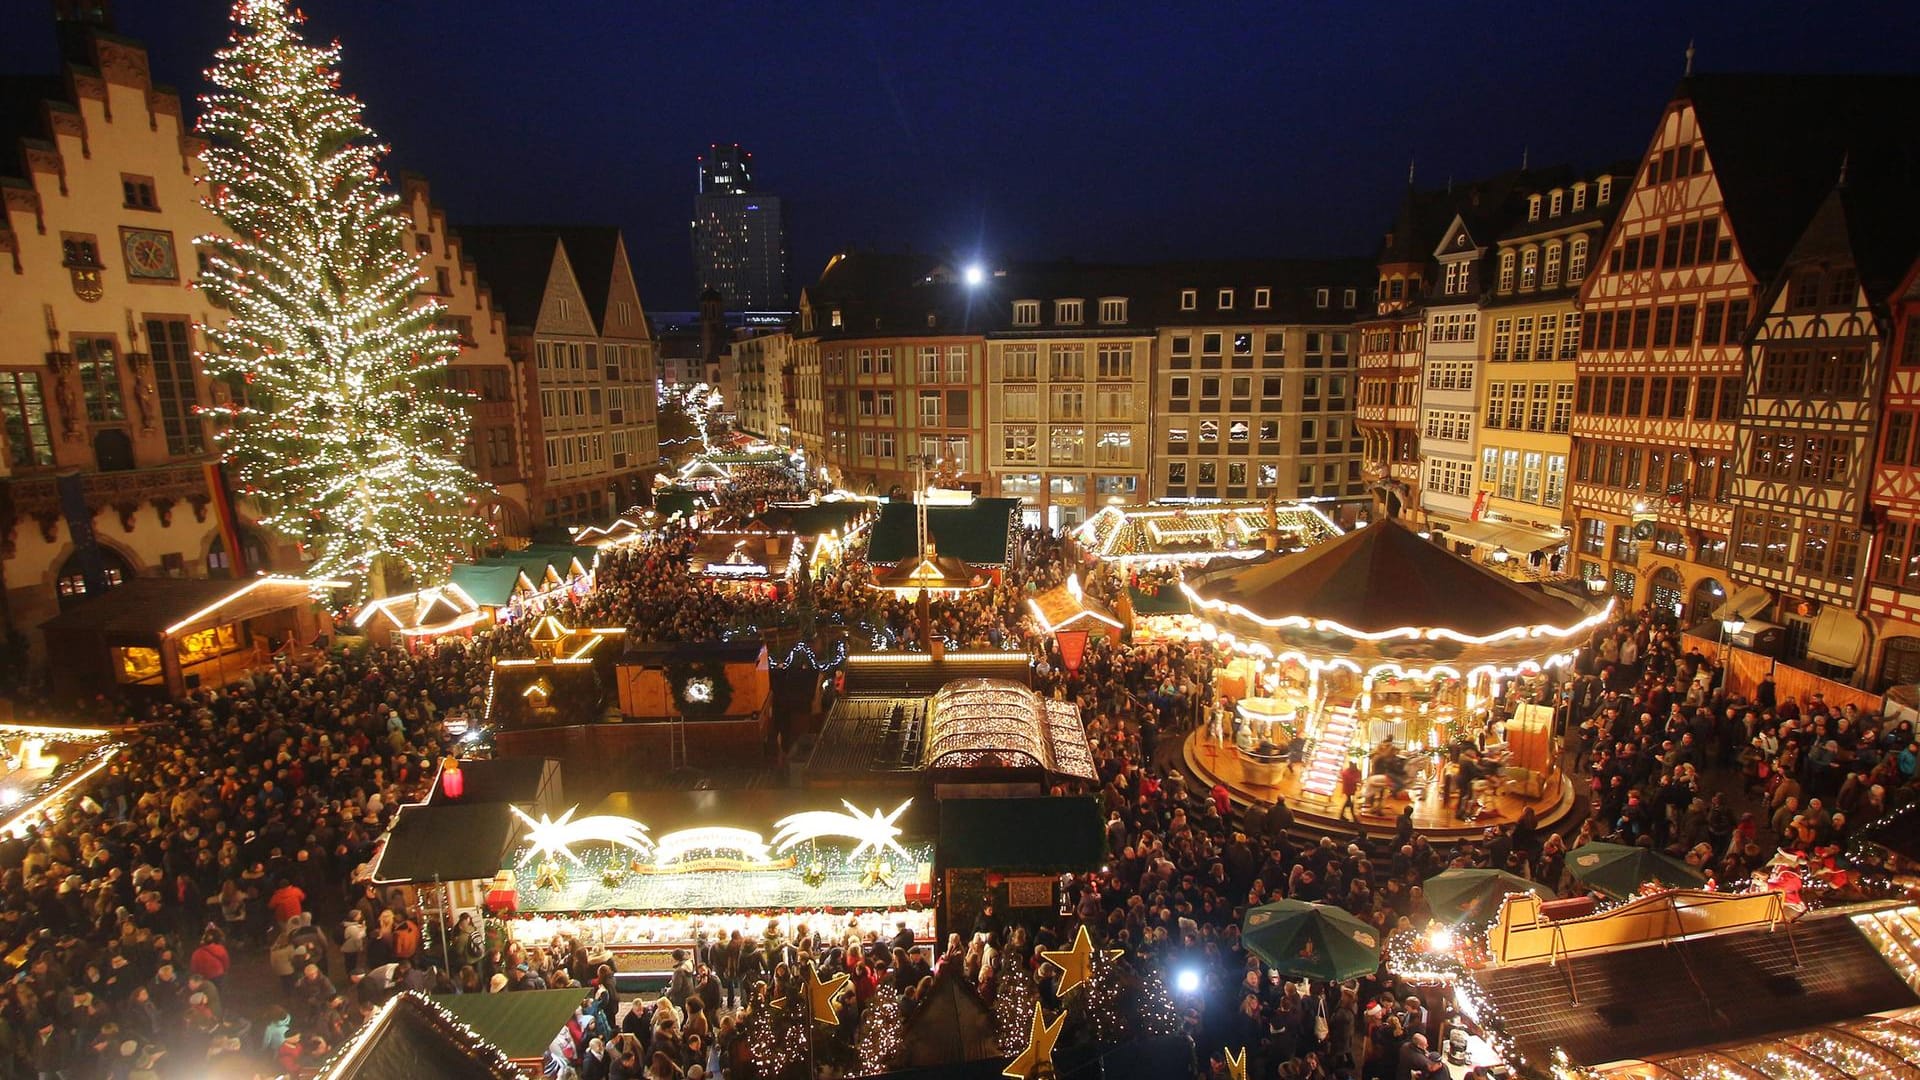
[452, 781]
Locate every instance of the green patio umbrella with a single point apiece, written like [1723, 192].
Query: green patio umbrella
[1618, 871]
[1311, 941]
[1472, 895]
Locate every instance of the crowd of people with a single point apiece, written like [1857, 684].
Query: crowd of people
[222, 845]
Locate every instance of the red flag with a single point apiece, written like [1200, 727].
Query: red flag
[1073, 648]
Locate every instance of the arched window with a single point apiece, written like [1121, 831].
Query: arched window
[71, 584]
[1577, 261]
[1506, 271]
[220, 565]
[1530, 268]
[1552, 279]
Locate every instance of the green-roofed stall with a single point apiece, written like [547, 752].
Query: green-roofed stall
[980, 532]
[520, 1023]
[671, 504]
[1039, 835]
[490, 586]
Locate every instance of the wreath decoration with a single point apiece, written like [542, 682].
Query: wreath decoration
[700, 690]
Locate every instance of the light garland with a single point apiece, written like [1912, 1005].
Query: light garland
[1400, 633]
[340, 427]
[347, 1059]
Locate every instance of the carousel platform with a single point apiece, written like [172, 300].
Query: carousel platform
[1249, 783]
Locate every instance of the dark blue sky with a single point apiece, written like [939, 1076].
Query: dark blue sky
[1100, 131]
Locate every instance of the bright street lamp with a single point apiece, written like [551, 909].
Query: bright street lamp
[975, 274]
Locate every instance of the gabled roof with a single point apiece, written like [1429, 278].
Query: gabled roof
[514, 263]
[1775, 143]
[515, 260]
[412, 1036]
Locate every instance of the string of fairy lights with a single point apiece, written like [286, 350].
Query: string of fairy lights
[341, 426]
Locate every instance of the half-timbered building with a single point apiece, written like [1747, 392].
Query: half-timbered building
[1737, 167]
[1893, 518]
[1803, 444]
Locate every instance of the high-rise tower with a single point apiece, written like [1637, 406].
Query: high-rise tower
[739, 235]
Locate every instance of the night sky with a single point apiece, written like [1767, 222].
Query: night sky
[1016, 130]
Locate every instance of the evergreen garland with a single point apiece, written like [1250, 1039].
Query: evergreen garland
[681, 676]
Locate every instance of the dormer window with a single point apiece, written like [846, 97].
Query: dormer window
[1349, 298]
[1225, 300]
[1026, 313]
[1322, 297]
[1533, 208]
[1189, 299]
[1067, 312]
[1262, 298]
[932, 319]
[834, 319]
[1579, 197]
[1605, 193]
[1113, 310]
[1554, 200]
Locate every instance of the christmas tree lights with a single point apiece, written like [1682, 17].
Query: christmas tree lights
[1013, 1002]
[341, 427]
[1158, 1015]
[882, 1031]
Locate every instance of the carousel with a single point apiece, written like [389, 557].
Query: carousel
[1430, 675]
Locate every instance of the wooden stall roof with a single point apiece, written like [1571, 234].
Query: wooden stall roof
[155, 606]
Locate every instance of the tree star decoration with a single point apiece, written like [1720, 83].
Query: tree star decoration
[1075, 962]
[822, 993]
[550, 837]
[1236, 1066]
[871, 830]
[1037, 1059]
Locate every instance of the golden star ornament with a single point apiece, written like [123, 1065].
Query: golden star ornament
[1074, 963]
[1037, 1059]
[823, 993]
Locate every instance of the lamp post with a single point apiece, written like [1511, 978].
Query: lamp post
[1730, 628]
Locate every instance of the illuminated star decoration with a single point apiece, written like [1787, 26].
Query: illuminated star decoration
[823, 993]
[871, 830]
[1039, 1049]
[1075, 962]
[550, 837]
[1236, 1066]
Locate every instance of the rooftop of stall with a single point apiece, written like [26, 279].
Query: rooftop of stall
[464, 841]
[980, 532]
[530, 783]
[412, 1035]
[521, 1024]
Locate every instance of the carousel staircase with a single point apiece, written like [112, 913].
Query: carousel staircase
[1338, 727]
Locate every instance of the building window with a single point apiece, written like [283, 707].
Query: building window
[1579, 197]
[1116, 361]
[99, 378]
[1020, 362]
[930, 363]
[1529, 265]
[1026, 313]
[1605, 194]
[833, 319]
[1113, 310]
[1533, 208]
[1067, 312]
[1177, 473]
[1189, 299]
[1556, 480]
[137, 192]
[1262, 298]
[1321, 298]
[1114, 446]
[23, 418]
[1552, 278]
[1506, 271]
[1555, 199]
[1066, 445]
[1225, 300]
[1349, 297]
[1562, 421]
[1067, 362]
[1067, 403]
[173, 384]
[1019, 445]
[930, 408]
[956, 363]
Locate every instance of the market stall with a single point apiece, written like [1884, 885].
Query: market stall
[650, 872]
[1164, 535]
[1382, 650]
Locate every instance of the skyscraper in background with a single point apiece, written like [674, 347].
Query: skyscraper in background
[739, 237]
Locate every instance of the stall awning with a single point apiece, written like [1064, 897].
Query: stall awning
[1746, 602]
[1041, 835]
[521, 1024]
[1838, 638]
[453, 842]
[1517, 539]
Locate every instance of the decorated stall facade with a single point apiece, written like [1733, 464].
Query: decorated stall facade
[1163, 535]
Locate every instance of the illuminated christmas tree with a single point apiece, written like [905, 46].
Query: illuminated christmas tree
[1013, 1002]
[342, 428]
[881, 1032]
[1158, 1014]
[1105, 1011]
